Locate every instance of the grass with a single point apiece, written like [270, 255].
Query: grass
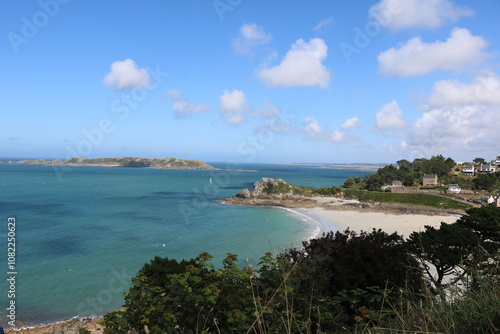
[428, 200]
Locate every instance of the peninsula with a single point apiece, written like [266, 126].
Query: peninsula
[166, 163]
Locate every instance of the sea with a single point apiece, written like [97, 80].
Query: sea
[82, 233]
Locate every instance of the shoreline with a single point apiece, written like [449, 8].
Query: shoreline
[403, 224]
[333, 214]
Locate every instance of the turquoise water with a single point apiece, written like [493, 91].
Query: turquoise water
[83, 232]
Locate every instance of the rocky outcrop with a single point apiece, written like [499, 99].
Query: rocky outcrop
[245, 193]
[270, 192]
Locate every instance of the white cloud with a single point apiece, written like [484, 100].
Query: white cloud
[314, 131]
[484, 89]
[182, 107]
[126, 74]
[415, 57]
[233, 106]
[173, 94]
[456, 130]
[389, 117]
[323, 24]
[249, 37]
[403, 14]
[301, 66]
[351, 123]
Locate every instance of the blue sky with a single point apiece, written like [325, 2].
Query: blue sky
[250, 81]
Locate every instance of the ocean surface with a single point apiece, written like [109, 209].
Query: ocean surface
[83, 232]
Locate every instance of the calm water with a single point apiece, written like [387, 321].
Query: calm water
[83, 232]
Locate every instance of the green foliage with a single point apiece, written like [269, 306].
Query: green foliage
[281, 187]
[487, 182]
[201, 299]
[479, 161]
[348, 182]
[327, 191]
[84, 331]
[412, 199]
[374, 182]
[342, 272]
[465, 311]
[409, 172]
[137, 163]
[446, 248]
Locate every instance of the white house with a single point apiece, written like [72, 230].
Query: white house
[496, 161]
[487, 168]
[468, 169]
[454, 188]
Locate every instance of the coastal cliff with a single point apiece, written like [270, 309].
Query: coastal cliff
[167, 163]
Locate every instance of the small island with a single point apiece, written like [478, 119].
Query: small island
[166, 163]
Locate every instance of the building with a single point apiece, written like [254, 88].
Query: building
[454, 188]
[496, 161]
[397, 183]
[468, 169]
[487, 168]
[430, 180]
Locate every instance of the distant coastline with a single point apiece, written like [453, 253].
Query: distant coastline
[166, 163]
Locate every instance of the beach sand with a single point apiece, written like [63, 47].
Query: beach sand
[403, 224]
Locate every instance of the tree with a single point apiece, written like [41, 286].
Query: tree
[484, 222]
[479, 161]
[446, 248]
[485, 182]
[374, 182]
[357, 179]
[348, 182]
[352, 269]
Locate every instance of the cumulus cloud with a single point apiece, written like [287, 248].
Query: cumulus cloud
[484, 89]
[233, 106]
[249, 37]
[416, 57]
[301, 66]
[456, 129]
[351, 123]
[428, 14]
[314, 131]
[182, 107]
[323, 24]
[389, 117]
[126, 74]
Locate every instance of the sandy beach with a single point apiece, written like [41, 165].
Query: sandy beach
[403, 224]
